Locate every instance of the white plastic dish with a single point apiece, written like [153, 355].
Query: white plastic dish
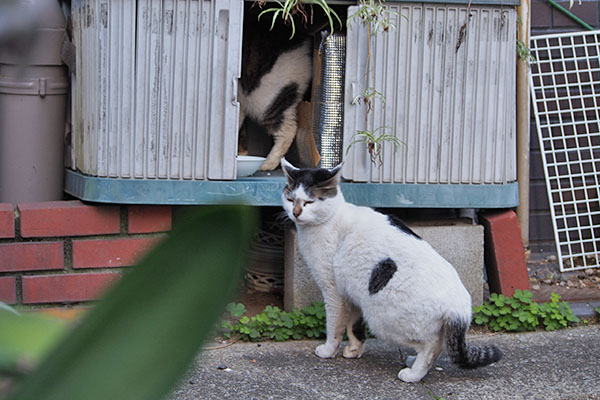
[247, 165]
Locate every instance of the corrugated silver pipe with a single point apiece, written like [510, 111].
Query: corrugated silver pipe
[328, 106]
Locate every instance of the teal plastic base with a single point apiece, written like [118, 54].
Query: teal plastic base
[266, 191]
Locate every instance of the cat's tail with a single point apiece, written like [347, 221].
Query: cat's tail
[466, 355]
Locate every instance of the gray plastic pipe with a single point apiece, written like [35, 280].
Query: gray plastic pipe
[33, 93]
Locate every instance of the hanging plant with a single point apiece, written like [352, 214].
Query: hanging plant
[375, 143]
[288, 8]
[376, 17]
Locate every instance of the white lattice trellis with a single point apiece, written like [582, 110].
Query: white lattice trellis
[565, 87]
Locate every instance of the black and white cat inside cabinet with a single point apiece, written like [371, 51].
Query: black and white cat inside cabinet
[157, 95]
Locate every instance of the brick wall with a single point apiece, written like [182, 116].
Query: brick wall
[547, 19]
[53, 253]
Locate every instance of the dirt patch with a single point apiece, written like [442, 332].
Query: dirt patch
[255, 301]
[545, 278]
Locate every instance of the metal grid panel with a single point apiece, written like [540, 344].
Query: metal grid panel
[565, 86]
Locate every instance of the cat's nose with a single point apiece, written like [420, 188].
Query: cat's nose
[297, 211]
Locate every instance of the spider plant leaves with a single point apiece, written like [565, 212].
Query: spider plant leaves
[285, 11]
[287, 8]
[374, 143]
[369, 137]
[138, 341]
[329, 12]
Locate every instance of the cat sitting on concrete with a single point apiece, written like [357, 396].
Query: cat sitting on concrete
[276, 72]
[370, 266]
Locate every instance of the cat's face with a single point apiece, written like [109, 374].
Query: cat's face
[310, 195]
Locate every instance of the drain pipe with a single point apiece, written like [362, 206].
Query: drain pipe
[523, 125]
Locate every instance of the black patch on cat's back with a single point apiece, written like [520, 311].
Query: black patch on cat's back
[398, 223]
[262, 45]
[287, 97]
[381, 275]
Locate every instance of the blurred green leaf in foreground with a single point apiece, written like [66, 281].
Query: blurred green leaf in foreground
[138, 341]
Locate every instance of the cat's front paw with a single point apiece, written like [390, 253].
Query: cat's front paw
[408, 375]
[325, 351]
[353, 351]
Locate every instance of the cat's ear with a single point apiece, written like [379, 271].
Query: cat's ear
[336, 172]
[335, 176]
[288, 169]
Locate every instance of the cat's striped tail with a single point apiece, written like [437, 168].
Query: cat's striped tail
[466, 355]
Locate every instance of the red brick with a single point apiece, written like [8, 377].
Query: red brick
[8, 290]
[149, 219]
[111, 252]
[31, 256]
[504, 253]
[68, 218]
[7, 220]
[66, 288]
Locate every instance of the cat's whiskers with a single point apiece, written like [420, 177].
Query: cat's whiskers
[283, 219]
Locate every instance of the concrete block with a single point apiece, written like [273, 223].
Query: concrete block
[299, 289]
[462, 245]
[458, 242]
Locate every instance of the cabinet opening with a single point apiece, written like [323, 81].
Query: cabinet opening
[281, 88]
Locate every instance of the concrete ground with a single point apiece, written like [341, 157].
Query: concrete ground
[537, 365]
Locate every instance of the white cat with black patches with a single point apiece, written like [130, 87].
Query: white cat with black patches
[276, 72]
[363, 260]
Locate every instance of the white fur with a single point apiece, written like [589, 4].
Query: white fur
[342, 243]
[294, 66]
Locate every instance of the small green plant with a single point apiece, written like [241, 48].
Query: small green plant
[367, 97]
[597, 309]
[524, 53]
[235, 311]
[374, 14]
[519, 313]
[275, 324]
[376, 18]
[435, 396]
[374, 143]
[288, 8]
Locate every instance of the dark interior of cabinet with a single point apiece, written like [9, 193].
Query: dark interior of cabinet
[310, 21]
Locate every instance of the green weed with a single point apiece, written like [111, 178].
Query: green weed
[275, 324]
[519, 313]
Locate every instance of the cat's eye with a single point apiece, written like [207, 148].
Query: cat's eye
[290, 199]
[308, 202]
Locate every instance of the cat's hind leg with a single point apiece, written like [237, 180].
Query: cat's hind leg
[426, 356]
[356, 332]
[242, 100]
[242, 117]
[283, 129]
